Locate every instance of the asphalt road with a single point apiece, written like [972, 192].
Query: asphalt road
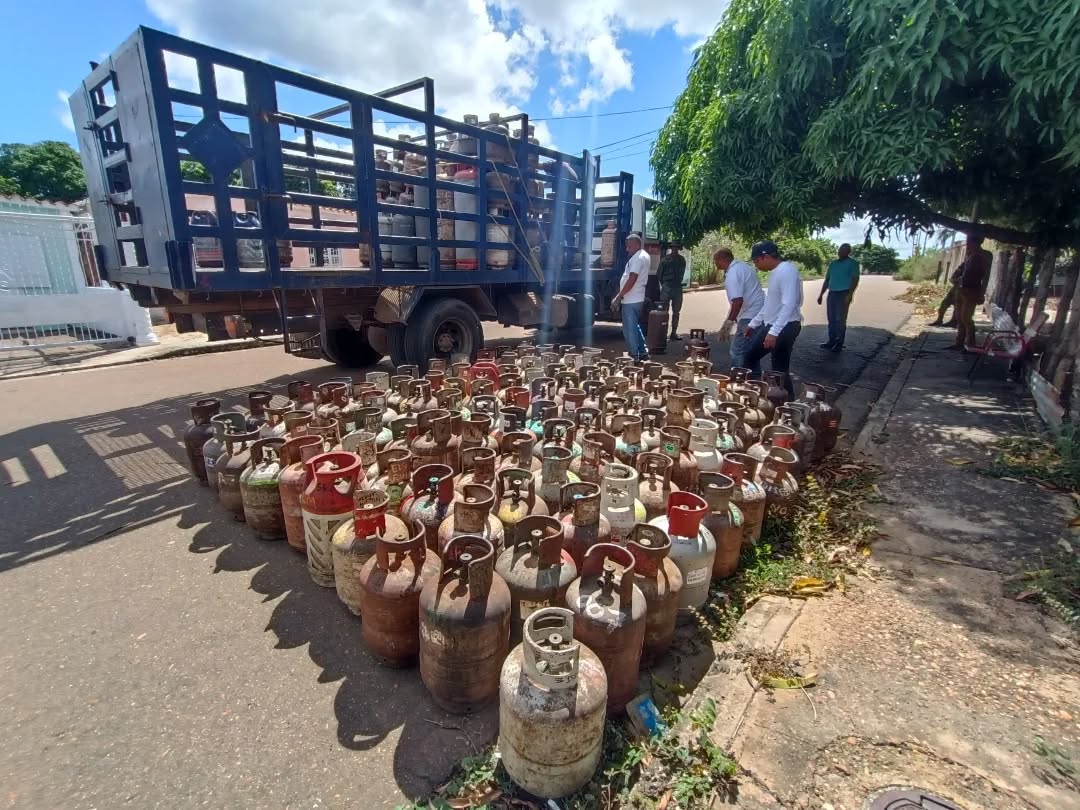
[157, 655]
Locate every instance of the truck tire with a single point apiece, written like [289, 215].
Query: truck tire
[444, 327]
[349, 348]
[399, 346]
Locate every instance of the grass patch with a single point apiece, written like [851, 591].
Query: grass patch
[1049, 460]
[1055, 585]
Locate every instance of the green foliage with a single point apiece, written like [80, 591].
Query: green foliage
[923, 267]
[195, 171]
[812, 254]
[797, 112]
[47, 170]
[877, 259]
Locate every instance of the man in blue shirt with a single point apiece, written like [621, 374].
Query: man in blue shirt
[841, 279]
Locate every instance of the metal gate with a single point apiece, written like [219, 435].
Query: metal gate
[50, 290]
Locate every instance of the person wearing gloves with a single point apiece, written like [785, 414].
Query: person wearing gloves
[669, 276]
[631, 297]
[746, 298]
[774, 329]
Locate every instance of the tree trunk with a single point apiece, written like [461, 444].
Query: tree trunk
[1068, 313]
[1046, 277]
[1029, 286]
[999, 278]
[1016, 267]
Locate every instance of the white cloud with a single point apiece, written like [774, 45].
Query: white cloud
[63, 111]
[482, 55]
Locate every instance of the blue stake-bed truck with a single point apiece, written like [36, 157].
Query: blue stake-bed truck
[228, 190]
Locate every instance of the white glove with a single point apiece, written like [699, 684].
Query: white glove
[725, 332]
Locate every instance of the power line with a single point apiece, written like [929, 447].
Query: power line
[632, 154]
[624, 140]
[604, 115]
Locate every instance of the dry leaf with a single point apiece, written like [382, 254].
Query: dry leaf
[1014, 480]
[959, 462]
[1020, 597]
[664, 801]
[866, 551]
[807, 582]
[809, 679]
[1075, 521]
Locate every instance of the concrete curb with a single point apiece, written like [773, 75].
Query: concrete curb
[878, 418]
[167, 354]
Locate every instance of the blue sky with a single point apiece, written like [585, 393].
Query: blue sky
[558, 60]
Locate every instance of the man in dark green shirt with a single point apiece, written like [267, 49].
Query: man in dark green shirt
[841, 279]
[669, 277]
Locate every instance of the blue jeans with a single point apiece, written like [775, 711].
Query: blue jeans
[740, 346]
[631, 329]
[836, 308]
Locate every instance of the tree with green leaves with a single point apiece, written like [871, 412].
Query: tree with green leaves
[47, 170]
[877, 259]
[799, 112]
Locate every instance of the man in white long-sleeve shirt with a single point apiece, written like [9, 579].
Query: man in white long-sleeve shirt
[745, 297]
[774, 329]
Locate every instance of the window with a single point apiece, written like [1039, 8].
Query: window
[331, 257]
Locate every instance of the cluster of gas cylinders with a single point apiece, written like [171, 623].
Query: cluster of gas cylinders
[543, 495]
[500, 151]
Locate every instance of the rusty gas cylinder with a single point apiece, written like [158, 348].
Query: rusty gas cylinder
[390, 586]
[353, 544]
[727, 438]
[743, 431]
[553, 475]
[292, 481]
[660, 581]
[693, 547]
[724, 520]
[824, 419]
[331, 397]
[296, 423]
[471, 515]
[609, 617]
[654, 483]
[517, 448]
[536, 568]
[679, 407]
[370, 419]
[394, 477]
[429, 503]
[464, 627]
[552, 707]
[597, 452]
[475, 432]
[477, 467]
[619, 500]
[230, 466]
[797, 415]
[760, 399]
[420, 398]
[198, 433]
[775, 476]
[772, 435]
[627, 431]
[403, 430]
[775, 391]
[675, 444]
[753, 416]
[213, 448]
[259, 490]
[362, 442]
[274, 426]
[327, 502]
[583, 525]
[747, 495]
[257, 402]
[302, 396]
[652, 422]
[432, 442]
[328, 430]
[558, 432]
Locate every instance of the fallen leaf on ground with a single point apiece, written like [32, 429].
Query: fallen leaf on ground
[1020, 597]
[797, 682]
[1013, 480]
[808, 586]
[959, 462]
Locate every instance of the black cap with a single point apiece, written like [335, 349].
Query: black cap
[766, 247]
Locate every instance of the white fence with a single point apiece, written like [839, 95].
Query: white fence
[50, 290]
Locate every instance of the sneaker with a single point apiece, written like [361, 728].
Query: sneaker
[828, 344]
[673, 336]
[949, 324]
[836, 349]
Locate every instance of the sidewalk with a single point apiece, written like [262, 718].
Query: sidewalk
[929, 675]
[17, 363]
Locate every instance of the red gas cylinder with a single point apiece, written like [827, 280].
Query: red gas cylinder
[292, 482]
[327, 502]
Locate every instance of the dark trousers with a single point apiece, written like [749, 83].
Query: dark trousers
[836, 308]
[674, 295]
[781, 352]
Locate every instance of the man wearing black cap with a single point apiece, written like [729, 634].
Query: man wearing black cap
[774, 329]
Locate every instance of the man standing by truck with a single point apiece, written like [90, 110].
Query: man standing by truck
[670, 278]
[631, 296]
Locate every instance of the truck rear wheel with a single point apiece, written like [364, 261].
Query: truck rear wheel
[349, 348]
[444, 328]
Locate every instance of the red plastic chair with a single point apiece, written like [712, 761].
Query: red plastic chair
[1006, 343]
